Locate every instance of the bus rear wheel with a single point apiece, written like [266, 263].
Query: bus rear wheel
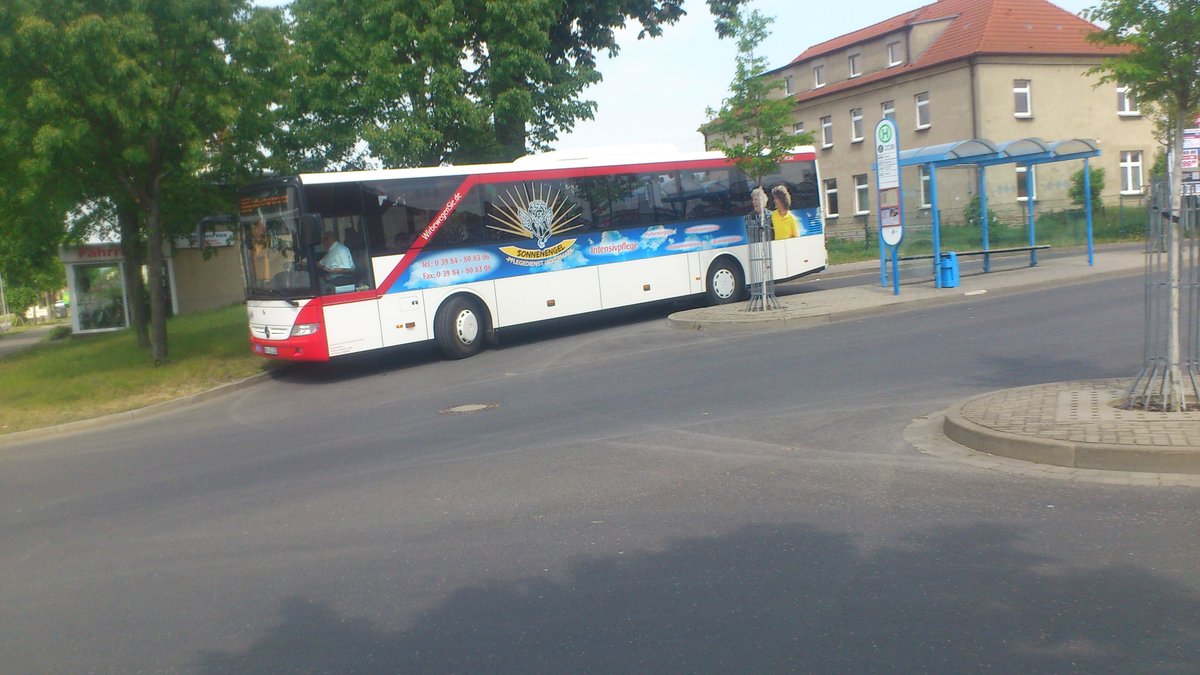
[726, 282]
[460, 327]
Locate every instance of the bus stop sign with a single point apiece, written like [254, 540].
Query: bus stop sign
[887, 176]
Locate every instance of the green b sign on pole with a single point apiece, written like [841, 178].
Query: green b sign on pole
[888, 197]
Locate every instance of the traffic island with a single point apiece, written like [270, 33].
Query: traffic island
[1077, 425]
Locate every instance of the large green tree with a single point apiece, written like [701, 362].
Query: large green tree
[1161, 66]
[135, 103]
[421, 82]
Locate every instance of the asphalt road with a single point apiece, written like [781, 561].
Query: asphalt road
[627, 498]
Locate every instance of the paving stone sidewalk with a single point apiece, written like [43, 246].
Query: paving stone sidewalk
[1078, 425]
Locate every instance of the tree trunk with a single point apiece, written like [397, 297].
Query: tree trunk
[510, 137]
[1173, 397]
[131, 249]
[154, 264]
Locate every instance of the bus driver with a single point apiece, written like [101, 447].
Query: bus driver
[337, 260]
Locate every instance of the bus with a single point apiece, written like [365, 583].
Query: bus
[454, 254]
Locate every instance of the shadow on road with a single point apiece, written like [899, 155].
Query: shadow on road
[770, 598]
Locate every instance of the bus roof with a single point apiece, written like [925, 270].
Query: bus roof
[559, 159]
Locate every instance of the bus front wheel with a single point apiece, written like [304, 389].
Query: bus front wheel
[726, 282]
[460, 328]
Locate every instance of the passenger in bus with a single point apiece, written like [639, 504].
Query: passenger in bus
[337, 260]
[402, 240]
[782, 219]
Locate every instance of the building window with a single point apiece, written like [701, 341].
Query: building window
[818, 77]
[798, 128]
[1022, 98]
[888, 110]
[826, 132]
[831, 203]
[926, 188]
[923, 118]
[1126, 103]
[1022, 194]
[856, 125]
[862, 193]
[853, 61]
[787, 86]
[894, 57]
[1131, 172]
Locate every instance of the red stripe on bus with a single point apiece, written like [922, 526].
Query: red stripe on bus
[430, 230]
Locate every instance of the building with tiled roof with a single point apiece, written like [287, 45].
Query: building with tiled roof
[959, 69]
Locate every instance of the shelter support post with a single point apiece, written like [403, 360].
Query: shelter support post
[937, 236]
[1087, 209]
[1029, 210]
[983, 217]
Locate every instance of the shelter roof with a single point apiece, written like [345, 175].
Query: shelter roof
[982, 152]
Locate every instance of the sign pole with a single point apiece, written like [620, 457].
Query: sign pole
[889, 197]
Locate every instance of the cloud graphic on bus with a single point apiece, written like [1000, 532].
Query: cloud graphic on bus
[654, 238]
[574, 259]
[708, 228]
[689, 244]
[612, 244]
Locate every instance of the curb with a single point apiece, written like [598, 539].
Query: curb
[789, 318]
[127, 415]
[1099, 456]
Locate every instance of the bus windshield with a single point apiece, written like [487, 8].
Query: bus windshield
[271, 244]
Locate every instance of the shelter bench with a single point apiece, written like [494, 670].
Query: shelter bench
[990, 251]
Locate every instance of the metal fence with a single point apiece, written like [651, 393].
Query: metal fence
[1170, 377]
[762, 279]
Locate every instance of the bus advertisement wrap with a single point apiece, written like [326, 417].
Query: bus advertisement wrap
[434, 269]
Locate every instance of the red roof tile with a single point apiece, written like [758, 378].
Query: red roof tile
[976, 27]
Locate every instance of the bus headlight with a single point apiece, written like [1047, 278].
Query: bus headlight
[302, 329]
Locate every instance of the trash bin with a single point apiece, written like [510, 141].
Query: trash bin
[948, 270]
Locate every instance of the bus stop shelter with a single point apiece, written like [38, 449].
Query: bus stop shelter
[983, 153]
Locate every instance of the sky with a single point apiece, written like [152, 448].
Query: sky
[656, 91]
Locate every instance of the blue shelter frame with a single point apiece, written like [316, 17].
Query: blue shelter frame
[982, 153]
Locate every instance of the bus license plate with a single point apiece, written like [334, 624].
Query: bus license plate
[271, 350]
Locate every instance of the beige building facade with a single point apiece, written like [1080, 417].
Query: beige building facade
[956, 70]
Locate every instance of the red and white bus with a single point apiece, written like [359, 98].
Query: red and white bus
[456, 253]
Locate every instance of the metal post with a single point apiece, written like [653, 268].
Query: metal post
[883, 281]
[937, 236]
[1029, 207]
[1087, 208]
[983, 214]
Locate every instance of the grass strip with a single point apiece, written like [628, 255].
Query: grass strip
[84, 376]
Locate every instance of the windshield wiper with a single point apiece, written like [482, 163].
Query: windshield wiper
[281, 296]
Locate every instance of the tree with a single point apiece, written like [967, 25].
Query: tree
[753, 125]
[1162, 65]
[19, 300]
[1096, 182]
[425, 82]
[128, 101]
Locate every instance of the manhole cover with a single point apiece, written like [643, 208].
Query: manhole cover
[468, 408]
